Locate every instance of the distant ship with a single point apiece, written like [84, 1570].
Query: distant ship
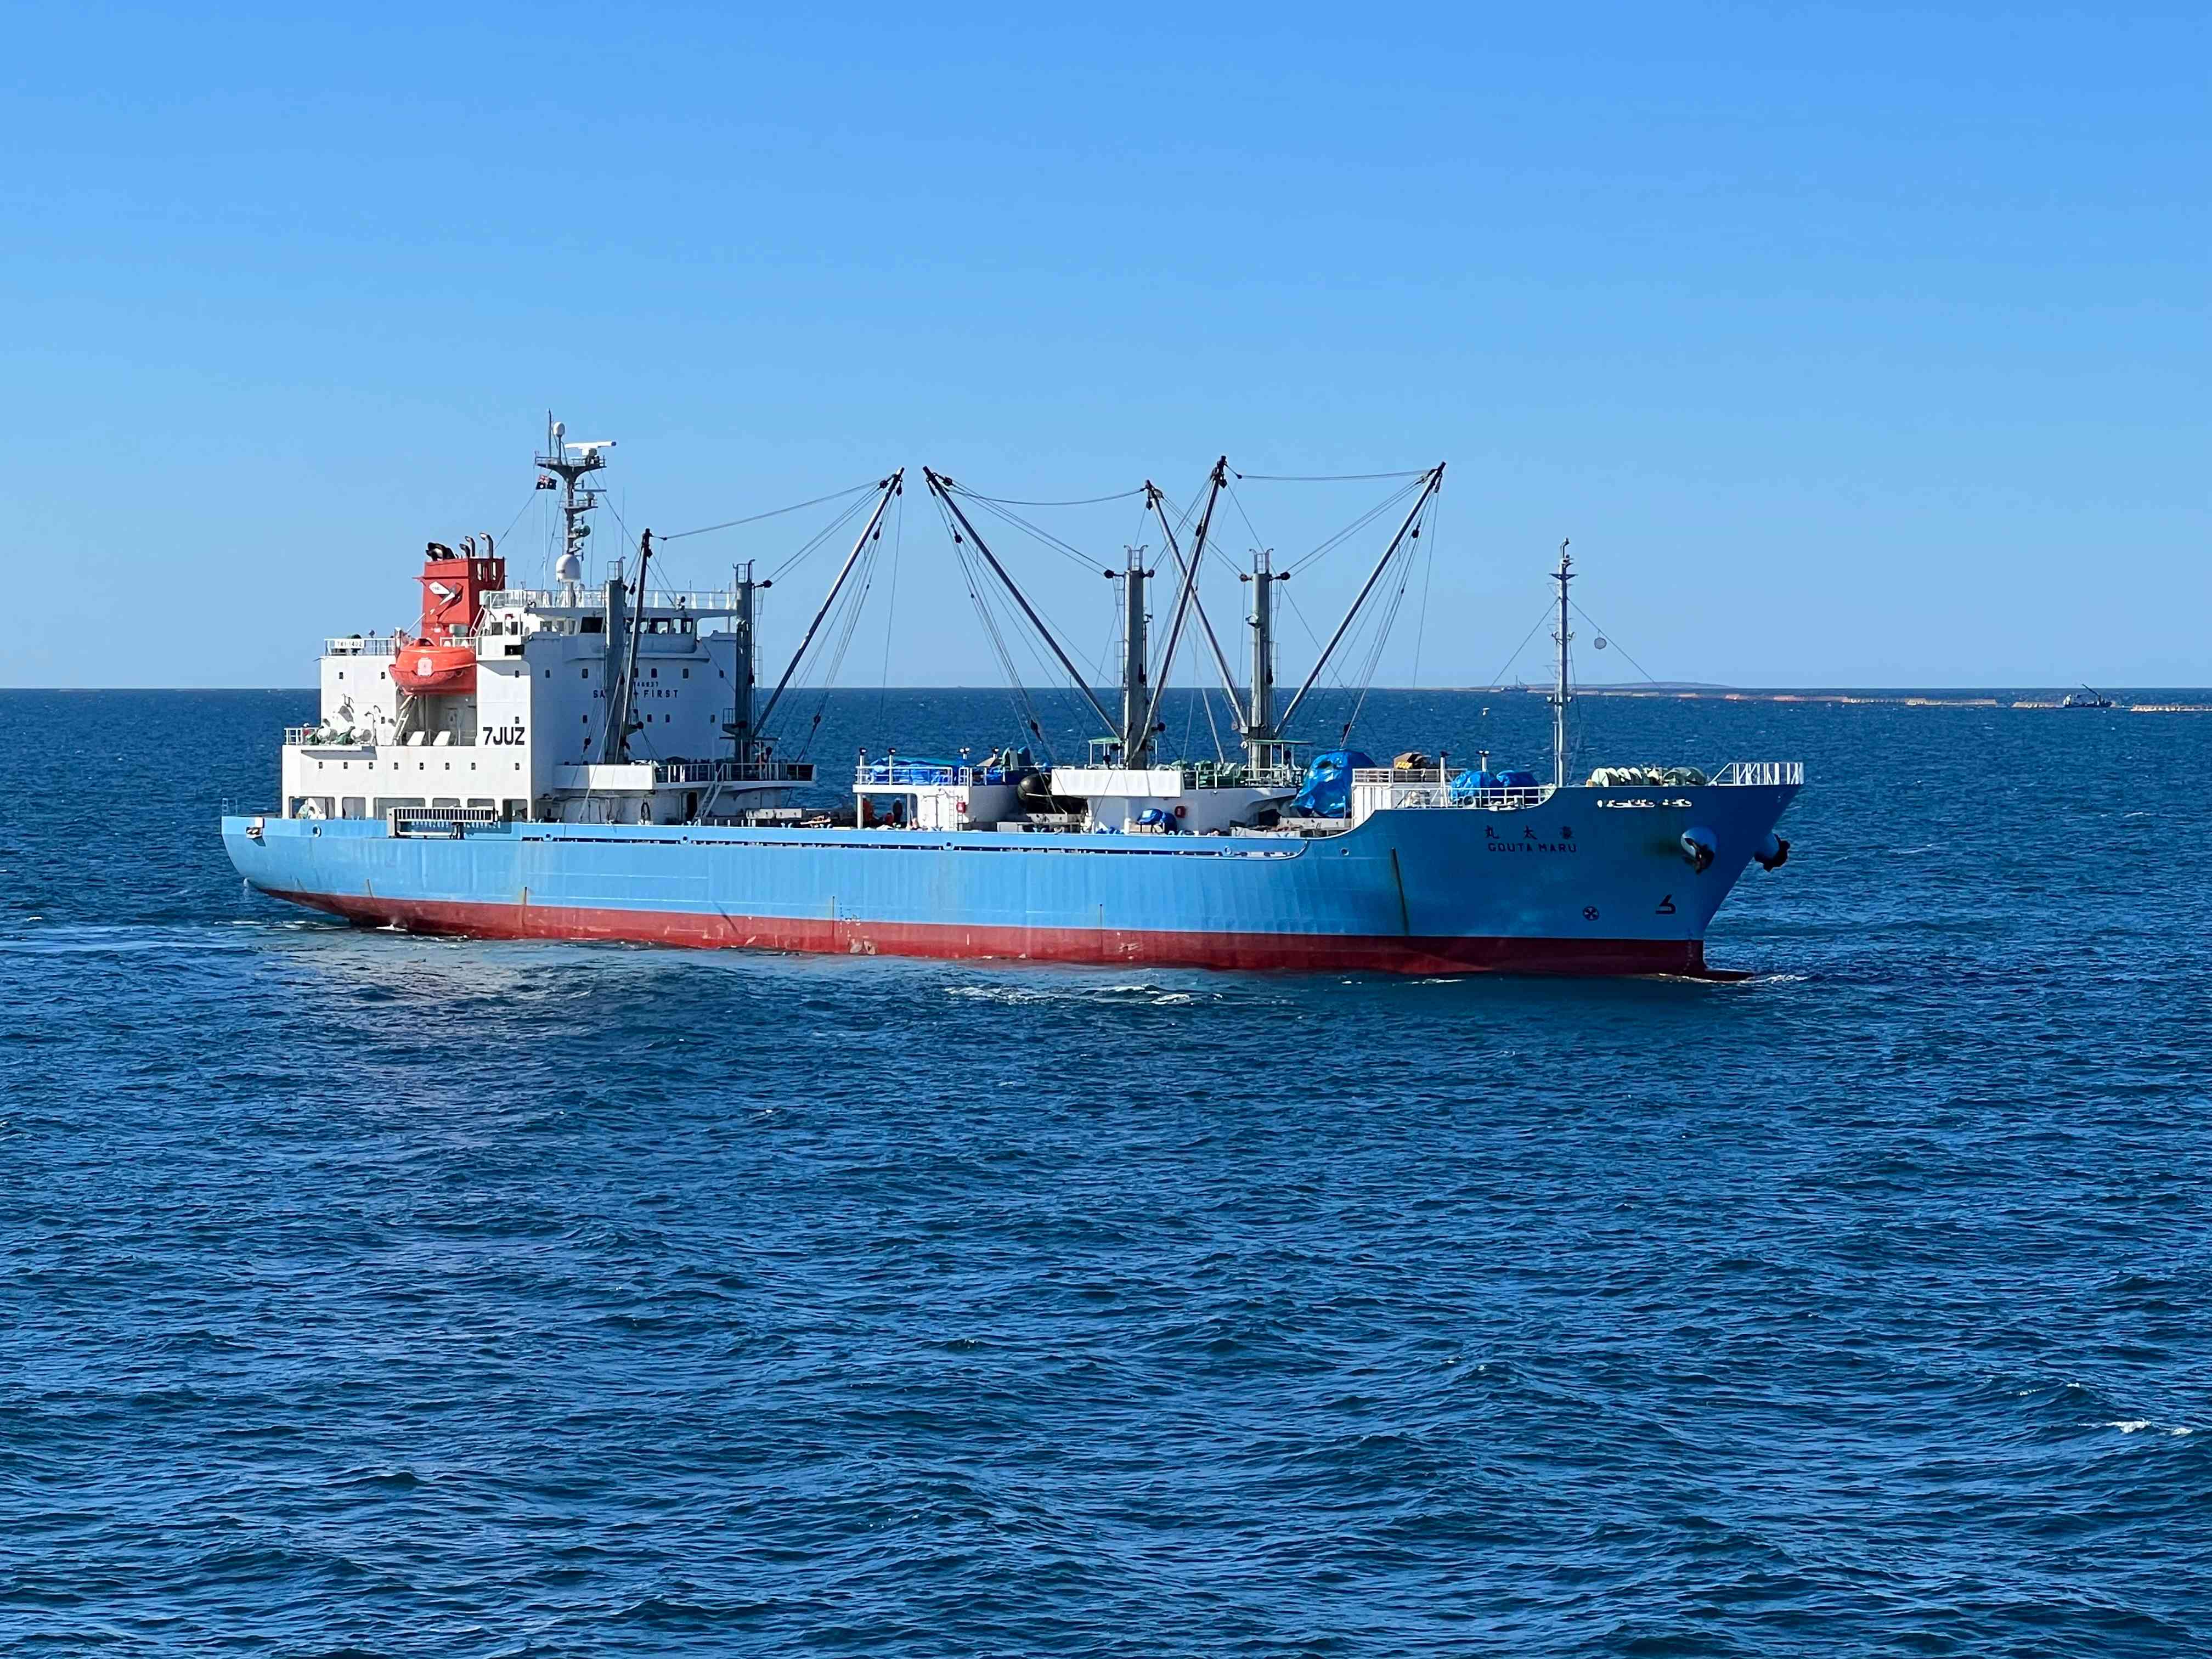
[590, 761]
[2087, 698]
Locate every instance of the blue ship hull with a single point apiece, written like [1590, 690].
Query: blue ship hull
[1569, 886]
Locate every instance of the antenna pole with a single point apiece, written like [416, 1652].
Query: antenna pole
[889, 487]
[1434, 481]
[1560, 693]
[941, 487]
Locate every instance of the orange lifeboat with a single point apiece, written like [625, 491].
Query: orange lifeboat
[435, 670]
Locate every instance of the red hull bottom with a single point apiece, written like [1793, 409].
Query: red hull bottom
[1313, 952]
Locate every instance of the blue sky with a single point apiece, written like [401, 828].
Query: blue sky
[1849, 346]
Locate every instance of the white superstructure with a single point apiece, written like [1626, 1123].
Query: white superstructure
[590, 704]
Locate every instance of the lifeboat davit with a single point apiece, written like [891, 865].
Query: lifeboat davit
[435, 670]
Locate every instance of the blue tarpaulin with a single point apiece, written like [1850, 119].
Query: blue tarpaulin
[1326, 792]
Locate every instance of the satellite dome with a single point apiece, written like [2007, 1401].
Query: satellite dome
[569, 568]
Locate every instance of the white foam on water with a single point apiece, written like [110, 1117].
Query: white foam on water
[995, 993]
[1158, 996]
[94, 938]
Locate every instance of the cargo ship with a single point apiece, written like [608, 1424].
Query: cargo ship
[591, 759]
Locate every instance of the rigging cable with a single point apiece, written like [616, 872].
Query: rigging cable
[834, 660]
[1336, 673]
[1025, 711]
[851, 604]
[777, 513]
[1253, 529]
[816, 541]
[1498, 680]
[516, 519]
[1008, 501]
[1355, 526]
[1385, 621]
[1067, 550]
[1428, 575]
[1606, 633]
[891, 609]
[1325, 477]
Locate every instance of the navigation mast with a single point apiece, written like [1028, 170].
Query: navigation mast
[576, 503]
[1560, 694]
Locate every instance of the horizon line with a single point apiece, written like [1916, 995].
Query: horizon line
[1664, 687]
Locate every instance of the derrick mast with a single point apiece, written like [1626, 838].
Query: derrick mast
[1136, 694]
[1261, 747]
[745, 741]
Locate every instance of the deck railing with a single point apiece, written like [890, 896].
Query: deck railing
[893, 775]
[1740, 774]
[730, 771]
[443, 822]
[585, 596]
[362, 645]
[1381, 788]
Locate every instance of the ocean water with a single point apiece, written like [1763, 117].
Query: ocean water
[365, 1294]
